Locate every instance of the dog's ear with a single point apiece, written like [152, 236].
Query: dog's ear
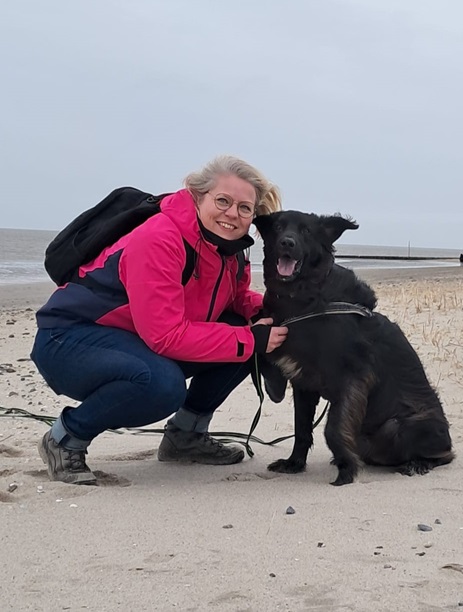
[336, 225]
[263, 224]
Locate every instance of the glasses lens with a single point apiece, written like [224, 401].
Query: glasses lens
[223, 202]
[245, 210]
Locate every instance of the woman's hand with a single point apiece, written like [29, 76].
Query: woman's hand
[267, 337]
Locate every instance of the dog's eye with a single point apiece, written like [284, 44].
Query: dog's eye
[305, 230]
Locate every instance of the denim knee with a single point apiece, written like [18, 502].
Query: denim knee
[162, 392]
[36, 358]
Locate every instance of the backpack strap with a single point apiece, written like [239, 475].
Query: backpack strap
[242, 258]
[190, 262]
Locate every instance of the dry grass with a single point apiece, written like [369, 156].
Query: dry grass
[431, 315]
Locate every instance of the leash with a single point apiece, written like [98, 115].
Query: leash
[233, 437]
[331, 309]
[227, 436]
[257, 380]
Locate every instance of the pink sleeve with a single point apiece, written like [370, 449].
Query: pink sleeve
[151, 271]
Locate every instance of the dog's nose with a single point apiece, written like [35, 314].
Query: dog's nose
[287, 242]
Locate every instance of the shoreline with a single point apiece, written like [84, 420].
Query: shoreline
[388, 275]
[25, 295]
[33, 295]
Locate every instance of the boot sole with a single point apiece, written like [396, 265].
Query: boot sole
[230, 460]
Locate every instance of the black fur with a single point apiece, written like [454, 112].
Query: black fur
[383, 411]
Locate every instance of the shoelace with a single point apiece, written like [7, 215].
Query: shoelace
[212, 441]
[76, 460]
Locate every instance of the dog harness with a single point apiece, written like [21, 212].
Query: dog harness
[333, 308]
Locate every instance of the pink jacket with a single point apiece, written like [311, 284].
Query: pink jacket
[136, 285]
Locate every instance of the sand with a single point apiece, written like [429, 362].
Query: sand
[166, 537]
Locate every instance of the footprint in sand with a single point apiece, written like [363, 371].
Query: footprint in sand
[10, 451]
[7, 472]
[110, 480]
[103, 479]
[248, 476]
[140, 456]
[42, 474]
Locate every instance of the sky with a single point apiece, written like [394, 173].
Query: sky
[349, 106]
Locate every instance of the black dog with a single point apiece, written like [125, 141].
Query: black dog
[382, 408]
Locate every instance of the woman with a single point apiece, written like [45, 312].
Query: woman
[124, 338]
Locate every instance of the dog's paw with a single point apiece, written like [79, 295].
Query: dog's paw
[416, 466]
[287, 466]
[339, 482]
[405, 470]
[345, 476]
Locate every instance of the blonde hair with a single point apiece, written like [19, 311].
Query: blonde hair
[268, 197]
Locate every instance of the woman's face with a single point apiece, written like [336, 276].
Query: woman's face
[227, 210]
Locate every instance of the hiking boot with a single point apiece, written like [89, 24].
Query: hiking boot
[194, 447]
[65, 464]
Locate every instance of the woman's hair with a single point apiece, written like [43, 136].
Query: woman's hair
[268, 197]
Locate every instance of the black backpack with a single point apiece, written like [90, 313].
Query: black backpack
[88, 234]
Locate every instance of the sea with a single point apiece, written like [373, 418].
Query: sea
[22, 254]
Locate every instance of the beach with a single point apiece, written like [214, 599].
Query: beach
[159, 536]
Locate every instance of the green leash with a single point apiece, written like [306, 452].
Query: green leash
[227, 436]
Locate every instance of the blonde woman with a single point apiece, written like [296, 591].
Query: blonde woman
[127, 335]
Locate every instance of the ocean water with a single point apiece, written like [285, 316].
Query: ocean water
[22, 254]
[347, 254]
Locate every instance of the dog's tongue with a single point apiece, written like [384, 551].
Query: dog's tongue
[285, 266]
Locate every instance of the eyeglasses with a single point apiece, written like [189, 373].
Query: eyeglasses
[224, 202]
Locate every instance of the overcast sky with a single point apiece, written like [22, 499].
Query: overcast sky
[351, 106]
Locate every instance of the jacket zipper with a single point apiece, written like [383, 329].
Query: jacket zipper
[216, 289]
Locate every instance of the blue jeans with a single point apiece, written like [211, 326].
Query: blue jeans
[120, 382]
